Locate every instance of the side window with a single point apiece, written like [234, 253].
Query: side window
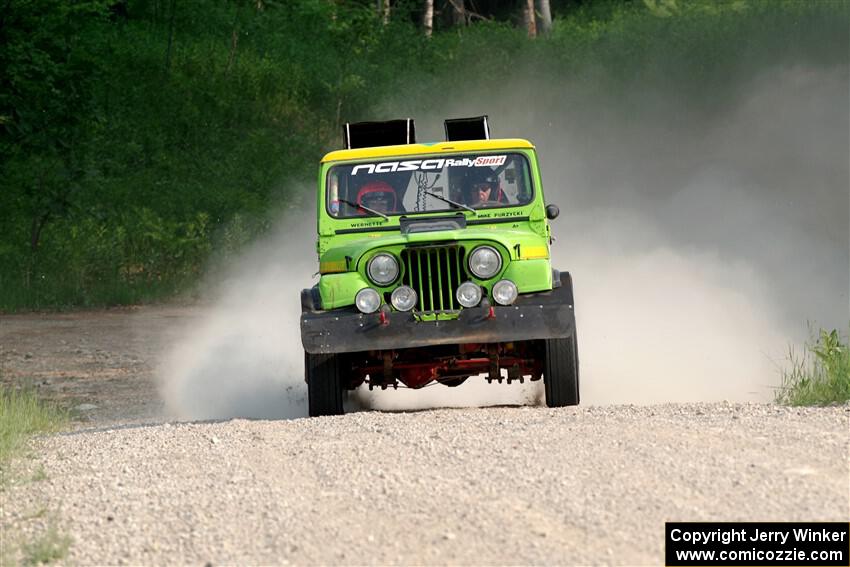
[514, 182]
[333, 203]
[524, 189]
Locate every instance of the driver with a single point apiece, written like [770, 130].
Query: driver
[378, 196]
[483, 192]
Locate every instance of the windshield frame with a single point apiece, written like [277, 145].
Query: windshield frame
[528, 175]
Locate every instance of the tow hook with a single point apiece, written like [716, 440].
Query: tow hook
[489, 311]
[384, 315]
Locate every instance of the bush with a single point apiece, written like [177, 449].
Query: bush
[133, 256]
[135, 142]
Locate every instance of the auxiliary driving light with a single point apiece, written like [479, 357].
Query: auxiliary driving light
[367, 300]
[468, 294]
[485, 262]
[382, 269]
[403, 298]
[505, 292]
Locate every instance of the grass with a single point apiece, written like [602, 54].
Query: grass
[820, 375]
[23, 414]
[49, 547]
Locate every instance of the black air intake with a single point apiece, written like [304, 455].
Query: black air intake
[435, 272]
[458, 129]
[372, 134]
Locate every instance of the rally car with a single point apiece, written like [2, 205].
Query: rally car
[434, 264]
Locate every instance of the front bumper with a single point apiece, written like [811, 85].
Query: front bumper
[545, 315]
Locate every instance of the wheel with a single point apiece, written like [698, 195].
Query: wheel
[324, 384]
[560, 372]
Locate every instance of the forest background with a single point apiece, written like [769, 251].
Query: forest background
[144, 141]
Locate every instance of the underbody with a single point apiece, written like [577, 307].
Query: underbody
[447, 364]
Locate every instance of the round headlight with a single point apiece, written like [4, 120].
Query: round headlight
[367, 300]
[382, 269]
[505, 292]
[403, 298]
[468, 294]
[485, 262]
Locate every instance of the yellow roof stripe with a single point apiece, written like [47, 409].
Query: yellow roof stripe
[420, 149]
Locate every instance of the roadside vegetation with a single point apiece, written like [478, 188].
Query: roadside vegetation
[820, 374]
[22, 415]
[48, 547]
[139, 139]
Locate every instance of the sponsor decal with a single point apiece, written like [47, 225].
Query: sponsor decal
[435, 164]
[489, 160]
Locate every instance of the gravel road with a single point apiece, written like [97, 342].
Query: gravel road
[101, 360]
[516, 485]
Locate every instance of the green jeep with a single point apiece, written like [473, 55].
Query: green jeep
[434, 266]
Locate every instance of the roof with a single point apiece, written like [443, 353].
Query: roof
[428, 148]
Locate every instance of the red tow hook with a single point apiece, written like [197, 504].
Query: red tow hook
[384, 315]
[491, 312]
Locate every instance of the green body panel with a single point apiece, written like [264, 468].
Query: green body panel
[535, 275]
[524, 244]
[338, 290]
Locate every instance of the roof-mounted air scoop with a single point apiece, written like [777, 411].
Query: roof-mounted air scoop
[371, 134]
[476, 128]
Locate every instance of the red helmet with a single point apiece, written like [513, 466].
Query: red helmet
[377, 195]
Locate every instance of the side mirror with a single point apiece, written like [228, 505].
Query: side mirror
[552, 212]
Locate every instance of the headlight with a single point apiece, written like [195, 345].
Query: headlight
[382, 269]
[468, 294]
[403, 298]
[505, 292]
[485, 262]
[367, 300]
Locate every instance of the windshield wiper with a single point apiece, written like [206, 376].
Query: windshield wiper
[367, 209]
[450, 202]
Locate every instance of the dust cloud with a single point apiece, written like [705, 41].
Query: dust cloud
[242, 357]
[702, 244]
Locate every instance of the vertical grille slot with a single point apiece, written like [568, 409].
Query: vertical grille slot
[435, 273]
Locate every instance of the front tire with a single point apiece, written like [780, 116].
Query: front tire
[560, 372]
[324, 384]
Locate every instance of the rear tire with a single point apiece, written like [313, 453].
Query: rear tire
[560, 372]
[324, 384]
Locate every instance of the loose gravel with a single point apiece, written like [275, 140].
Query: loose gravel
[588, 485]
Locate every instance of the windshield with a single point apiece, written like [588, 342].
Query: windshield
[444, 183]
